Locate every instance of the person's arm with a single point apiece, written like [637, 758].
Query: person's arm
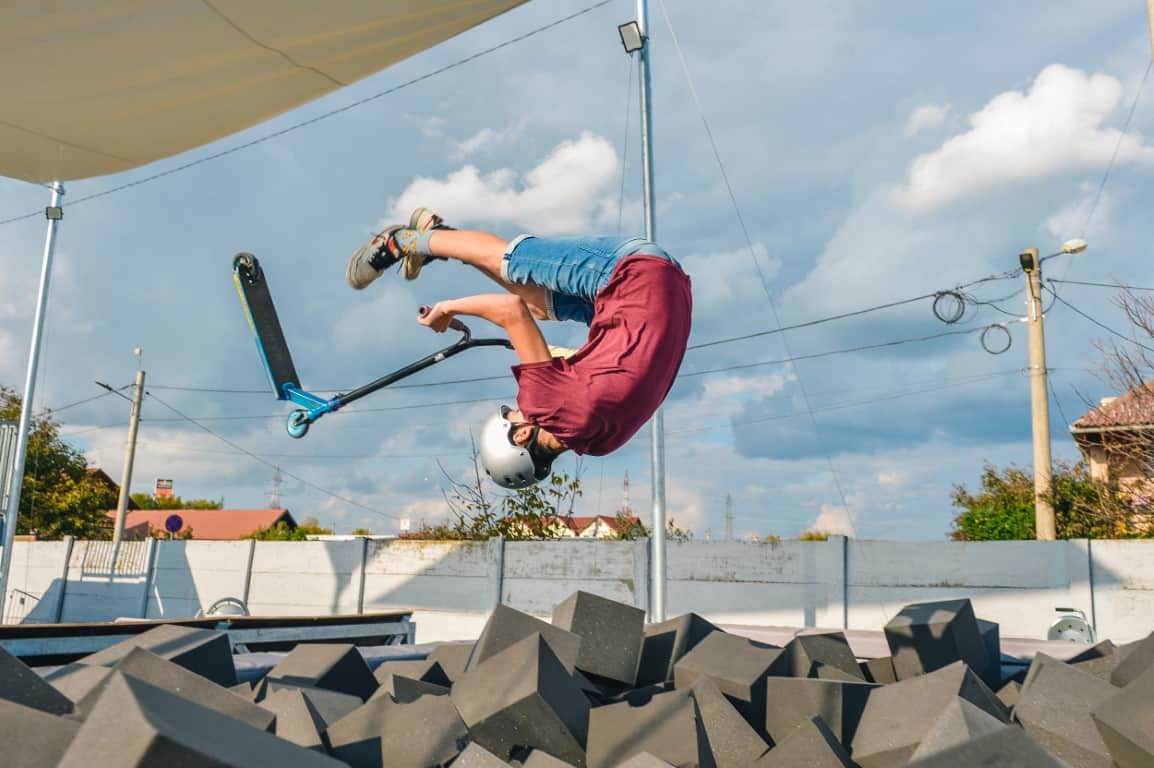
[503, 309]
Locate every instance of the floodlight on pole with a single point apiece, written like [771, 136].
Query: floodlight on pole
[631, 37]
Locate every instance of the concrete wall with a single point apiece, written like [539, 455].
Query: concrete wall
[451, 586]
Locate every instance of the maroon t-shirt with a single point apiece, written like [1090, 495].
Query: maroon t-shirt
[596, 399]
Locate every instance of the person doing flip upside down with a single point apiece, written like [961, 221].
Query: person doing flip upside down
[634, 297]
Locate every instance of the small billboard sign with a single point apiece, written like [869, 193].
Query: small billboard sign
[163, 488]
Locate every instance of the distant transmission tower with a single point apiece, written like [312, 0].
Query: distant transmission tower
[728, 517]
[274, 497]
[625, 508]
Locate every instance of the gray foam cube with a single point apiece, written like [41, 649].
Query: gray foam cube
[383, 732]
[610, 634]
[724, 738]
[539, 759]
[645, 760]
[204, 651]
[898, 716]
[738, 666]
[297, 720]
[334, 666]
[1098, 660]
[824, 655]
[453, 657]
[811, 744]
[792, 702]
[330, 705]
[476, 756]
[507, 626]
[32, 738]
[1135, 658]
[1054, 707]
[152, 669]
[137, 725]
[991, 674]
[18, 683]
[427, 670]
[1125, 722]
[1009, 693]
[924, 637]
[405, 689]
[77, 680]
[664, 644]
[1008, 747]
[879, 670]
[958, 723]
[524, 697]
[665, 726]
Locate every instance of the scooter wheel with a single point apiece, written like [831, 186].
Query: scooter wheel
[297, 424]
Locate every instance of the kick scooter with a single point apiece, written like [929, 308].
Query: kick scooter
[252, 286]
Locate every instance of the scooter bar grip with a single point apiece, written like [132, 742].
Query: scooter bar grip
[455, 324]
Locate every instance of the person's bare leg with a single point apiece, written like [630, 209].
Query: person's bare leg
[485, 251]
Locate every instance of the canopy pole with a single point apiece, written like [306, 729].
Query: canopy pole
[54, 213]
[657, 425]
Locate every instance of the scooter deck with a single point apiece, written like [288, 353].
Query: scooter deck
[252, 286]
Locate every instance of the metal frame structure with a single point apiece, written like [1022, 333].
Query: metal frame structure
[54, 213]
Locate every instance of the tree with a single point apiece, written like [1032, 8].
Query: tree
[536, 512]
[1004, 506]
[813, 536]
[148, 501]
[310, 526]
[59, 497]
[362, 532]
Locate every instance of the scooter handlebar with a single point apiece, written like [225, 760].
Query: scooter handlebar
[455, 324]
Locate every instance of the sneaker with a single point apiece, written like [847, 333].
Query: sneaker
[420, 222]
[372, 259]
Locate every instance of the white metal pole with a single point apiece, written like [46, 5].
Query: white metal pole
[657, 536]
[54, 214]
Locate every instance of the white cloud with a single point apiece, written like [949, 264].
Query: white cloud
[833, 520]
[1071, 220]
[487, 139]
[926, 116]
[762, 386]
[563, 194]
[1056, 127]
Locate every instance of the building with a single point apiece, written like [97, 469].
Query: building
[1117, 439]
[101, 477]
[203, 524]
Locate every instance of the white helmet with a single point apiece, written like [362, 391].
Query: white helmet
[511, 465]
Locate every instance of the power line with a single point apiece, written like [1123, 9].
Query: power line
[324, 115]
[752, 252]
[350, 410]
[814, 355]
[1098, 323]
[268, 463]
[855, 403]
[1113, 158]
[1121, 286]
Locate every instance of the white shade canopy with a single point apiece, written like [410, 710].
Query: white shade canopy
[91, 87]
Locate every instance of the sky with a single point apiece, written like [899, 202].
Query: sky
[811, 159]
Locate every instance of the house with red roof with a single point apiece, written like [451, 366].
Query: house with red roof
[203, 524]
[1116, 439]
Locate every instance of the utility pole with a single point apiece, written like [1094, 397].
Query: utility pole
[274, 499]
[1039, 398]
[129, 458]
[728, 517]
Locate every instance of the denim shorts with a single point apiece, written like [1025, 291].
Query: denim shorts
[573, 270]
